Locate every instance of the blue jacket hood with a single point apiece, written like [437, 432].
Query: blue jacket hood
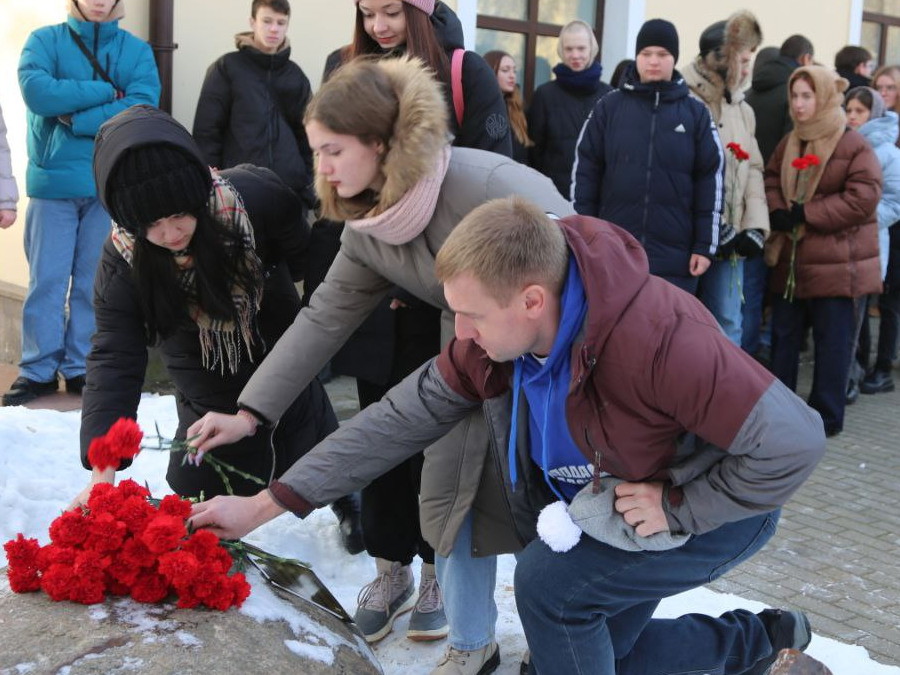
[881, 130]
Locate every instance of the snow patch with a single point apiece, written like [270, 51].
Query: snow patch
[313, 652]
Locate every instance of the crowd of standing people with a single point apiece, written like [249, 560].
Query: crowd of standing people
[701, 221]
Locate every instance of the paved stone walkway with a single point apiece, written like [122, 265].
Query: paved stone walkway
[837, 551]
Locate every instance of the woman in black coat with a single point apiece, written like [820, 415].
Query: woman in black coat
[200, 264]
[560, 107]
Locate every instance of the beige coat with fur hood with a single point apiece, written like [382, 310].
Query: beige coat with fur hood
[366, 268]
[745, 196]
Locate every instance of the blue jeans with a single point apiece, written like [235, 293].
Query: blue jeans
[63, 240]
[720, 290]
[756, 281]
[832, 326]
[588, 610]
[467, 585]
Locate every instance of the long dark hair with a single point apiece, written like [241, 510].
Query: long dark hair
[219, 264]
[421, 41]
[514, 106]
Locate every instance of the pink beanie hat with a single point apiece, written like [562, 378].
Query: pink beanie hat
[426, 6]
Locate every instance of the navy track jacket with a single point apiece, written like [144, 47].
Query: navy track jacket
[649, 160]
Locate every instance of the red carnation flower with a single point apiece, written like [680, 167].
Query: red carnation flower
[123, 571]
[135, 512]
[116, 588]
[739, 153]
[101, 455]
[222, 595]
[125, 436]
[163, 533]
[187, 599]
[173, 505]
[55, 554]
[57, 582]
[202, 544]
[86, 590]
[800, 164]
[105, 532]
[135, 553]
[150, 586]
[69, 529]
[104, 498]
[241, 588]
[24, 581]
[128, 488]
[179, 567]
[811, 160]
[22, 552]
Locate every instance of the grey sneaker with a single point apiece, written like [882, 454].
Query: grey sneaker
[383, 600]
[477, 662]
[428, 621]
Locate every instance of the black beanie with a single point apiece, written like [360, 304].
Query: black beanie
[658, 33]
[150, 182]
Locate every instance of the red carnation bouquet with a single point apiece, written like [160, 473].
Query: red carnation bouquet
[739, 155]
[125, 543]
[802, 165]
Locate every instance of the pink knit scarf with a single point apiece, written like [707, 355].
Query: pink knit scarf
[405, 220]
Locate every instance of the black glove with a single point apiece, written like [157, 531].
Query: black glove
[725, 250]
[798, 214]
[749, 243]
[727, 235]
[781, 221]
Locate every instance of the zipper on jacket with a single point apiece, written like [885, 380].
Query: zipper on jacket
[273, 117]
[96, 46]
[649, 172]
[499, 468]
[597, 457]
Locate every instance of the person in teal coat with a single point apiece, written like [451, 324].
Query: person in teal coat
[74, 76]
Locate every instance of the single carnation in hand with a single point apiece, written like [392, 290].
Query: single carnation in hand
[101, 455]
[125, 436]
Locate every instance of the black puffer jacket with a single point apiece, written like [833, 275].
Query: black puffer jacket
[485, 124]
[768, 96]
[251, 109]
[118, 358]
[555, 119]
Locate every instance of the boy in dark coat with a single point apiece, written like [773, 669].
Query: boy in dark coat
[664, 160]
[252, 103]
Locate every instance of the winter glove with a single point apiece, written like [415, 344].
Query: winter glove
[749, 243]
[781, 221]
[798, 214]
[727, 237]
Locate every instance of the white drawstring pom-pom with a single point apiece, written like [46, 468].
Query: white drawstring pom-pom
[556, 529]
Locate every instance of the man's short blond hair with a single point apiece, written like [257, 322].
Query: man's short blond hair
[506, 244]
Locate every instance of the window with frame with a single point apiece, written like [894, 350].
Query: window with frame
[881, 30]
[528, 30]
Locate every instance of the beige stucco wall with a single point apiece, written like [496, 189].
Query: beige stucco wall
[826, 24]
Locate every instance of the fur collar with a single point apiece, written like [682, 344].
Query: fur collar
[742, 32]
[420, 135]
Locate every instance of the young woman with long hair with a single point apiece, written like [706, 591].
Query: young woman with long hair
[200, 264]
[389, 171]
[829, 208]
[504, 67]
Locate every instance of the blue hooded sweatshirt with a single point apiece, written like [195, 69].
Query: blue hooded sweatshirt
[546, 386]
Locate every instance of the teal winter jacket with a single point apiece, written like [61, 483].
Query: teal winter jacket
[58, 83]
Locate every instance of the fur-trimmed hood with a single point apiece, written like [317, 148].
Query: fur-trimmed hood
[739, 32]
[117, 12]
[420, 134]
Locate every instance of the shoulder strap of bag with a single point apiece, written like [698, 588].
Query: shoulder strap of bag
[90, 57]
[459, 103]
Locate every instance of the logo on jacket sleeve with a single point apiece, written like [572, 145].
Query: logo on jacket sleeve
[680, 129]
[496, 126]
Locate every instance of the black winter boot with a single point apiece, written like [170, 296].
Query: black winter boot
[347, 511]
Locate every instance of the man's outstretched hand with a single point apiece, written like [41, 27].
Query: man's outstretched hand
[641, 506]
[233, 517]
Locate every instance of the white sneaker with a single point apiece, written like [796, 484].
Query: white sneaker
[477, 662]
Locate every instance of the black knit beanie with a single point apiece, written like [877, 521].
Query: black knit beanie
[658, 33]
[150, 182]
[713, 37]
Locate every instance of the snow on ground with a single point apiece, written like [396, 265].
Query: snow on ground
[40, 473]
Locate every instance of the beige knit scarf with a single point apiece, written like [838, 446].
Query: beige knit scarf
[221, 341]
[405, 220]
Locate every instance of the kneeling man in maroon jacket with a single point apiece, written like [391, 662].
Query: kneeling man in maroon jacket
[615, 393]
